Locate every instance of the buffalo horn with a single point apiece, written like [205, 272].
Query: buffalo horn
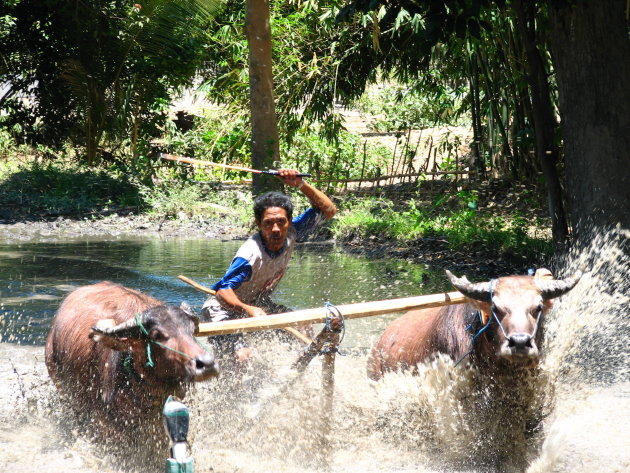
[550, 289]
[127, 329]
[189, 311]
[479, 291]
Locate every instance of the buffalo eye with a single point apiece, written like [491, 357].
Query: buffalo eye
[158, 336]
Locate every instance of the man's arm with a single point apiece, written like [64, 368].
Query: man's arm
[228, 298]
[318, 199]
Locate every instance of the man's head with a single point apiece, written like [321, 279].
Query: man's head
[273, 212]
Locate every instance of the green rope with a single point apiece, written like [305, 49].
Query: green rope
[143, 329]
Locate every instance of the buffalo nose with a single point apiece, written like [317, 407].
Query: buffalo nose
[205, 362]
[520, 341]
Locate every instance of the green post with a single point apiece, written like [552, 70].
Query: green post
[176, 421]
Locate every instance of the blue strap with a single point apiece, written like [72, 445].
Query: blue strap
[145, 332]
[475, 336]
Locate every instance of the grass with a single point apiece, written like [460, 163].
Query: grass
[31, 188]
[463, 227]
[34, 188]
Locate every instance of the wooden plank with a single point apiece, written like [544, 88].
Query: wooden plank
[319, 314]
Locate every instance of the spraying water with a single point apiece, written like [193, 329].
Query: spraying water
[432, 422]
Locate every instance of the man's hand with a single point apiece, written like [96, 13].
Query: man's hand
[253, 311]
[227, 297]
[289, 177]
[318, 199]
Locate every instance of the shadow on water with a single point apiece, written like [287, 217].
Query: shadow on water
[249, 423]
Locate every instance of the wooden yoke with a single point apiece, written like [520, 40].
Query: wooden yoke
[320, 314]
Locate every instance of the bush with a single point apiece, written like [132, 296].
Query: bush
[460, 225]
[51, 188]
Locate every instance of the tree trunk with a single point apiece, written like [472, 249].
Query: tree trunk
[544, 123]
[478, 164]
[493, 98]
[591, 52]
[265, 146]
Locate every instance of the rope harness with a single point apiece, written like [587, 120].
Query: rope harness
[145, 332]
[469, 327]
[332, 312]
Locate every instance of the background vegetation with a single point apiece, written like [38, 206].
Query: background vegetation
[87, 93]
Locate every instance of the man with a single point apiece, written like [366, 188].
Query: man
[260, 263]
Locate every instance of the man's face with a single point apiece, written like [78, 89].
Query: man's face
[273, 227]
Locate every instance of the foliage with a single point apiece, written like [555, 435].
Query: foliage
[443, 62]
[215, 138]
[398, 107]
[97, 73]
[459, 224]
[346, 158]
[309, 48]
[61, 189]
[220, 135]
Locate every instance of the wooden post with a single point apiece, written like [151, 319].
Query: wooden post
[328, 394]
[363, 164]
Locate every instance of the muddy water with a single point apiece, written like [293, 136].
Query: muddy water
[250, 423]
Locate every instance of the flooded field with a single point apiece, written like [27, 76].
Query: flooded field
[250, 423]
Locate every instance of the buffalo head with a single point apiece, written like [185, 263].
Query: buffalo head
[162, 343]
[512, 308]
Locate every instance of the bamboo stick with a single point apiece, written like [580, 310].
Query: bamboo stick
[199, 162]
[319, 314]
[394, 176]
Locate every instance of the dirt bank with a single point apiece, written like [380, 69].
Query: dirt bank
[117, 225]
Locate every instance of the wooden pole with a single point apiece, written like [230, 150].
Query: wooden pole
[328, 393]
[319, 314]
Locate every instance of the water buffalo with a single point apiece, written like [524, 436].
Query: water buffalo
[117, 354]
[495, 411]
[500, 326]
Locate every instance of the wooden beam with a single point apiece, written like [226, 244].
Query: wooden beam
[319, 314]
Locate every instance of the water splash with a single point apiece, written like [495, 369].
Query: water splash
[588, 356]
[425, 423]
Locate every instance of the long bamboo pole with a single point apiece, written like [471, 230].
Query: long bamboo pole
[199, 162]
[319, 314]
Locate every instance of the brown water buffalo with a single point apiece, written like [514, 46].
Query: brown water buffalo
[118, 354]
[501, 325]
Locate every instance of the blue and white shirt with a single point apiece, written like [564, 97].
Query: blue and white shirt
[255, 271]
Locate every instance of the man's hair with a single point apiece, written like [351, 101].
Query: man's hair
[272, 199]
